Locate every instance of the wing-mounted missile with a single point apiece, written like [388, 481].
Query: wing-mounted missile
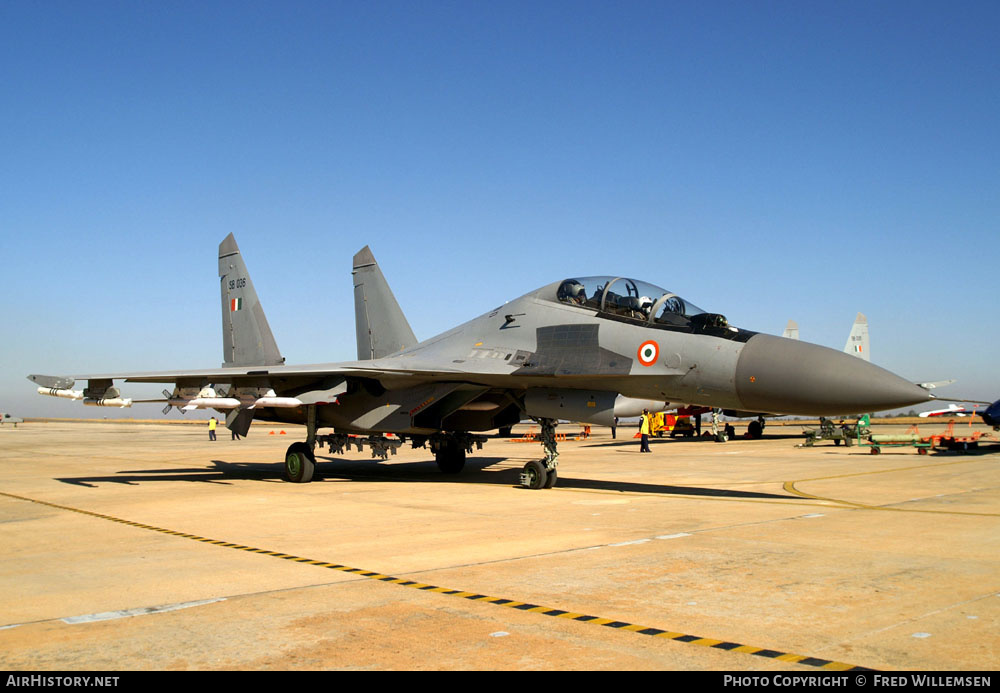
[61, 392]
[187, 399]
[56, 386]
[98, 393]
[101, 393]
[208, 398]
[270, 399]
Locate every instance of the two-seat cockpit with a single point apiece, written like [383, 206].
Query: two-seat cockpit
[636, 301]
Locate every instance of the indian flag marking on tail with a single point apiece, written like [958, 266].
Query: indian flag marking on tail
[235, 304]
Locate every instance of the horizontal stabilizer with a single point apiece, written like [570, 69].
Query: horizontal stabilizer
[936, 383]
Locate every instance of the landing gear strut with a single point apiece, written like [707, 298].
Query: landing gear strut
[300, 462]
[720, 436]
[450, 456]
[542, 473]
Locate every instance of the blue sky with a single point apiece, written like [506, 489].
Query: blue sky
[766, 160]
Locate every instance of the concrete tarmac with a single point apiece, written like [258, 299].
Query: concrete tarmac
[141, 546]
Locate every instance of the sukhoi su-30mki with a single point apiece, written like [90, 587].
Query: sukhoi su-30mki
[566, 351]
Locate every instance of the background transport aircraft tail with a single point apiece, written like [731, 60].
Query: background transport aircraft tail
[381, 327]
[857, 342]
[246, 336]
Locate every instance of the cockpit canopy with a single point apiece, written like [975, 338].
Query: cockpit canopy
[630, 299]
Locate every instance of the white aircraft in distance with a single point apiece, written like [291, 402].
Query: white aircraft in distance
[952, 410]
[8, 419]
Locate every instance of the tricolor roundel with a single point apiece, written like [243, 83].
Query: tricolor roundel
[648, 353]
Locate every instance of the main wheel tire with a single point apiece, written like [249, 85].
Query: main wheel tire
[534, 475]
[299, 463]
[755, 430]
[450, 458]
[551, 476]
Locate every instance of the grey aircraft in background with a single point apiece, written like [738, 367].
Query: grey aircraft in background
[565, 351]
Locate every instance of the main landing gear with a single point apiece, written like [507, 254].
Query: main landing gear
[449, 449]
[542, 473]
[300, 461]
[449, 453]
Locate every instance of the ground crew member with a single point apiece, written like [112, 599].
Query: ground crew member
[644, 432]
[212, 423]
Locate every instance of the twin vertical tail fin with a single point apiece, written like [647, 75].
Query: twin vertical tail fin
[857, 341]
[381, 327]
[246, 336]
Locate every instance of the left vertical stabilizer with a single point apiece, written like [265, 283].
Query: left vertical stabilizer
[246, 336]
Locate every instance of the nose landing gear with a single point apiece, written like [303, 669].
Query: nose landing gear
[538, 474]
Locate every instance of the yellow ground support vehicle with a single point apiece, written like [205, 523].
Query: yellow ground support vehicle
[672, 425]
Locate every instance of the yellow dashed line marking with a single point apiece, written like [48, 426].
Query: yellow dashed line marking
[474, 596]
[790, 487]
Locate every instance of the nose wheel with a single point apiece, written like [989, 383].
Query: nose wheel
[542, 473]
[534, 475]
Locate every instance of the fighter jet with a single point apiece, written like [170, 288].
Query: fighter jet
[991, 417]
[564, 351]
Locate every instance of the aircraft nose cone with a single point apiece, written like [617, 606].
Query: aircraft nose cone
[992, 414]
[780, 376]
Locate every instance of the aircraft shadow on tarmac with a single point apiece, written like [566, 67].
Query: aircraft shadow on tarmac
[629, 442]
[337, 469]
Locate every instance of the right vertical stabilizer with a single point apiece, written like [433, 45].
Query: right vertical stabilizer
[382, 328]
[246, 336]
[857, 342]
[791, 330]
